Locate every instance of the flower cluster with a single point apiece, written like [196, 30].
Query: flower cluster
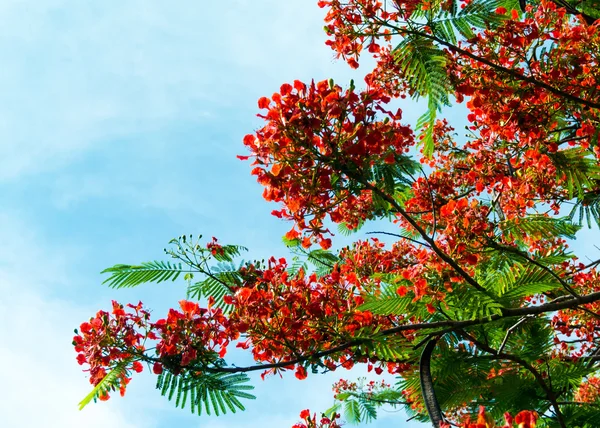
[363, 387]
[319, 141]
[523, 419]
[589, 391]
[191, 334]
[283, 316]
[113, 338]
[309, 421]
[352, 24]
[183, 338]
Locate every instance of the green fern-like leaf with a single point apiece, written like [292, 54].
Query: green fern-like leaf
[217, 283]
[539, 225]
[389, 349]
[109, 383]
[529, 281]
[577, 169]
[322, 260]
[345, 231]
[131, 275]
[387, 305]
[297, 264]
[212, 393]
[577, 416]
[227, 253]
[352, 412]
[477, 14]
[423, 65]
[587, 207]
[590, 8]
[473, 304]
[426, 124]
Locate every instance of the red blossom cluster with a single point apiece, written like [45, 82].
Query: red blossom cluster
[317, 139]
[589, 391]
[517, 113]
[309, 421]
[192, 333]
[352, 24]
[214, 247]
[299, 314]
[109, 339]
[184, 337]
[524, 419]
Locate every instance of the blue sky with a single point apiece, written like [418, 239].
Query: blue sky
[119, 126]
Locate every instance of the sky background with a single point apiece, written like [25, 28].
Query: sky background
[119, 126]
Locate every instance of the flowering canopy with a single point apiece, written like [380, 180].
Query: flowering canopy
[479, 306]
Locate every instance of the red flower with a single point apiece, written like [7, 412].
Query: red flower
[189, 308]
[301, 373]
[263, 102]
[526, 419]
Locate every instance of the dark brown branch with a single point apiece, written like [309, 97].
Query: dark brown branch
[431, 403]
[415, 241]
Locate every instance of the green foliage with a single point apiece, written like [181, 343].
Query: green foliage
[110, 382]
[538, 225]
[122, 276]
[529, 280]
[423, 61]
[529, 340]
[475, 15]
[387, 305]
[217, 282]
[577, 416]
[394, 177]
[589, 208]
[568, 375]
[388, 348]
[345, 231]
[395, 180]
[589, 7]
[320, 261]
[423, 65]
[578, 169]
[474, 305]
[509, 276]
[216, 279]
[216, 393]
[360, 406]
[228, 253]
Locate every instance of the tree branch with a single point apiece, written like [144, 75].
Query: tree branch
[451, 324]
[431, 403]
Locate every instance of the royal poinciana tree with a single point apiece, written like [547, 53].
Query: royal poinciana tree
[478, 305]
